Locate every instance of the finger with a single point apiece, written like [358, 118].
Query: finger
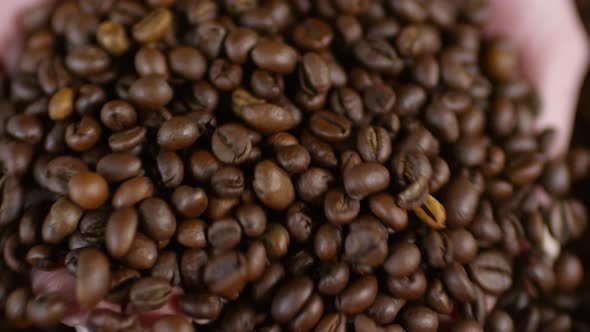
[554, 56]
[11, 29]
[61, 281]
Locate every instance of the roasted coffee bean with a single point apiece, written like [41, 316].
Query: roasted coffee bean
[458, 284]
[153, 26]
[16, 308]
[358, 296]
[12, 199]
[142, 254]
[333, 278]
[460, 200]
[92, 276]
[492, 272]
[42, 257]
[366, 243]
[432, 213]
[201, 307]
[377, 54]
[437, 297]
[173, 323]
[420, 319]
[328, 242]
[116, 167]
[224, 234]
[365, 179]
[120, 231]
[385, 208]
[105, 319]
[276, 240]
[166, 267]
[158, 218]
[409, 288]
[61, 221]
[404, 259]
[225, 274]
[46, 309]
[339, 208]
[132, 191]
[275, 56]
[273, 185]
[89, 190]
[150, 293]
[568, 271]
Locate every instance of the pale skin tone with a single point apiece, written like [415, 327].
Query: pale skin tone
[553, 52]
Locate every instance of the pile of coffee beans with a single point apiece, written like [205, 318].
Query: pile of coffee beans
[283, 165]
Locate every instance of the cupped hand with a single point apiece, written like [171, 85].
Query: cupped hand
[553, 51]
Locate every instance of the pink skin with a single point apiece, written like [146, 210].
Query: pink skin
[554, 54]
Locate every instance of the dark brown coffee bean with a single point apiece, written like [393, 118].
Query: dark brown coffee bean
[275, 56]
[142, 254]
[132, 191]
[151, 91]
[404, 259]
[438, 249]
[458, 284]
[252, 218]
[152, 26]
[499, 321]
[105, 319]
[89, 190]
[333, 278]
[158, 218]
[328, 242]
[118, 115]
[379, 99]
[420, 319]
[332, 323]
[92, 276]
[366, 243]
[365, 179]
[116, 167]
[358, 296]
[437, 297]
[46, 309]
[321, 152]
[224, 75]
[12, 198]
[230, 143]
[313, 34]
[384, 207]
[492, 272]
[461, 200]
[409, 288]
[224, 234]
[273, 185]
[150, 293]
[225, 274]
[166, 267]
[339, 208]
[202, 307]
[61, 221]
[378, 55]
[15, 310]
[120, 231]
[173, 323]
[418, 39]
[276, 240]
[87, 61]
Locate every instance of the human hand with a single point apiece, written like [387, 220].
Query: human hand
[554, 54]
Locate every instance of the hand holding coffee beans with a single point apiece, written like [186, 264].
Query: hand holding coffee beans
[236, 166]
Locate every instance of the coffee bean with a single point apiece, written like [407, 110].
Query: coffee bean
[158, 218]
[88, 190]
[420, 318]
[42, 257]
[87, 60]
[116, 167]
[46, 309]
[273, 185]
[167, 268]
[92, 275]
[492, 272]
[151, 91]
[127, 140]
[11, 198]
[328, 242]
[333, 278]
[385, 208]
[332, 322]
[460, 200]
[150, 61]
[499, 321]
[120, 231]
[142, 254]
[225, 274]
[276, 240]
[16, 308]
[150, 293]
[432, 213]
[275, 56]
[110, 320]
[458, 284]
[408, 288]
[132, 191]
[152, 26]
[404, 259]
[61, 221]
[358, 296]
[366, 243]
[378, 55]
[173, 323]
[118, 115]
[261, 115]
[365, 179]
[202, 307]
[437, 297]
